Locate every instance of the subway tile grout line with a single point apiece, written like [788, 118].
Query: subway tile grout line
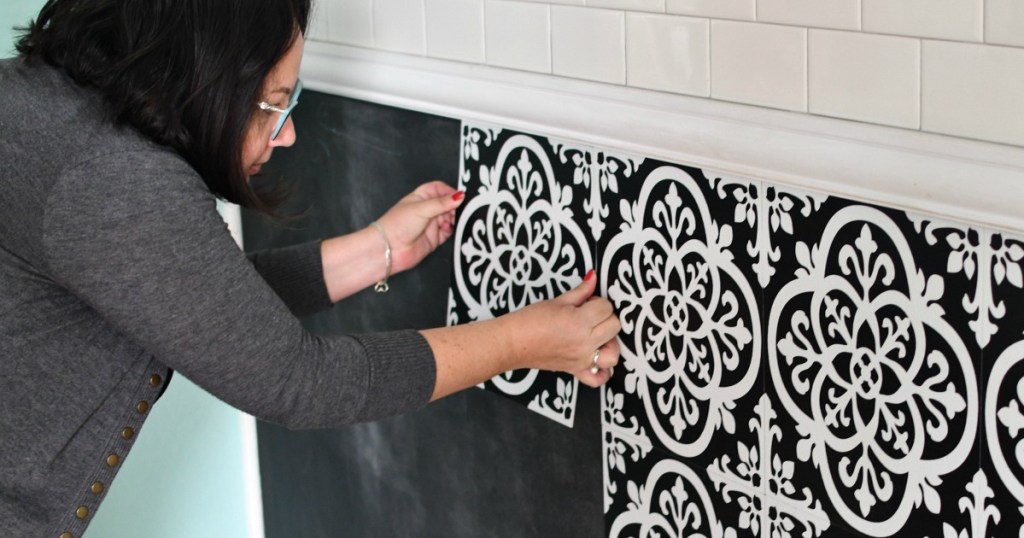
[707, 41]
[625, 41]
[373, 25]
[920, 85]
[551, 40]
[807, 71]
[981, 20]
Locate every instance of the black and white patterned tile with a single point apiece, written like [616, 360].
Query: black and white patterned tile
[691, 323]
[691, 337]
[520, 238]
[1000, 261]
[793, 364]
[664, 495]
[875, 383]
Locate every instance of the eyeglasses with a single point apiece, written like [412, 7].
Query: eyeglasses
[285, 112]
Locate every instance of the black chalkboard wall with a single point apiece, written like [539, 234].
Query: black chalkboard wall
[474, 464]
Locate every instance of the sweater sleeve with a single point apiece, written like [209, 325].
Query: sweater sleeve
[136, 236]
[296, 274]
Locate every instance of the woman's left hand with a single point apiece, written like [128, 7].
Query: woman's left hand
[420, 222]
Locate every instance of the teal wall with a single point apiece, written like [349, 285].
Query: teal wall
[14, 13]
[185, 476]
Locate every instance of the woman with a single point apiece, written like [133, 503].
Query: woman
[123, 121]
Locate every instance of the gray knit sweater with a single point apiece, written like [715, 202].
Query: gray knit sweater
[114, 268]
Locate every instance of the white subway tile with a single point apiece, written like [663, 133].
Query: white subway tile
[350, 22]
[841, 14]
[943, 19]
[588, 43]
[719, 9]
[518, 35]
[668, 53]
[630, 5]
[317, 30]
[865, 77]
[973, 91]
[398, 25]
[455, 29]
[759, 64]
[565, 2]
[1004, 22]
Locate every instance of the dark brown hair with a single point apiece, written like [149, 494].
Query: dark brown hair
[185, 73]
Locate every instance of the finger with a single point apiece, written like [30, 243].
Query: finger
[607, 329]
[444, 232]
[594, 380]
[596, 309]
[605, 357]
[440, 205]
[447, 226]
[434, 189]
[579, 295]
[609, 357]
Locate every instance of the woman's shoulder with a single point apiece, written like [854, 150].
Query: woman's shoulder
[60, 121]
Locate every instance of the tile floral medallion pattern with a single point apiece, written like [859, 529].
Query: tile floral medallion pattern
[793, 364]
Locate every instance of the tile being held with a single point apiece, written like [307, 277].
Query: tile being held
[588, 43]
[455, 29]
[519, 239]
[398, 26]
[759, 64]
[865, 77]
[518, 35]
[668, 53]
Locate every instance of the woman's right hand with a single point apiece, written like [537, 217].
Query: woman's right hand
[559, 334]
[562, 334]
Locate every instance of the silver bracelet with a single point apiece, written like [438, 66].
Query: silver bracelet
[382, 284]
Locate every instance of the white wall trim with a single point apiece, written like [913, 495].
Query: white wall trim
[251, 484]
[976, 182]
[251, 477]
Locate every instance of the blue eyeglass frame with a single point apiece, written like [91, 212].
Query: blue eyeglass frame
[285, 112]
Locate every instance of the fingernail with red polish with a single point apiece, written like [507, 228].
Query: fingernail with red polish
[458, 196]
[590, 274]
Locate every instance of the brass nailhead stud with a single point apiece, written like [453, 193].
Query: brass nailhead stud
[82, 512]
[65, 535]
[97, 488]
[154, 380]
[112, 460]
[142, 407]
[127, 433]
